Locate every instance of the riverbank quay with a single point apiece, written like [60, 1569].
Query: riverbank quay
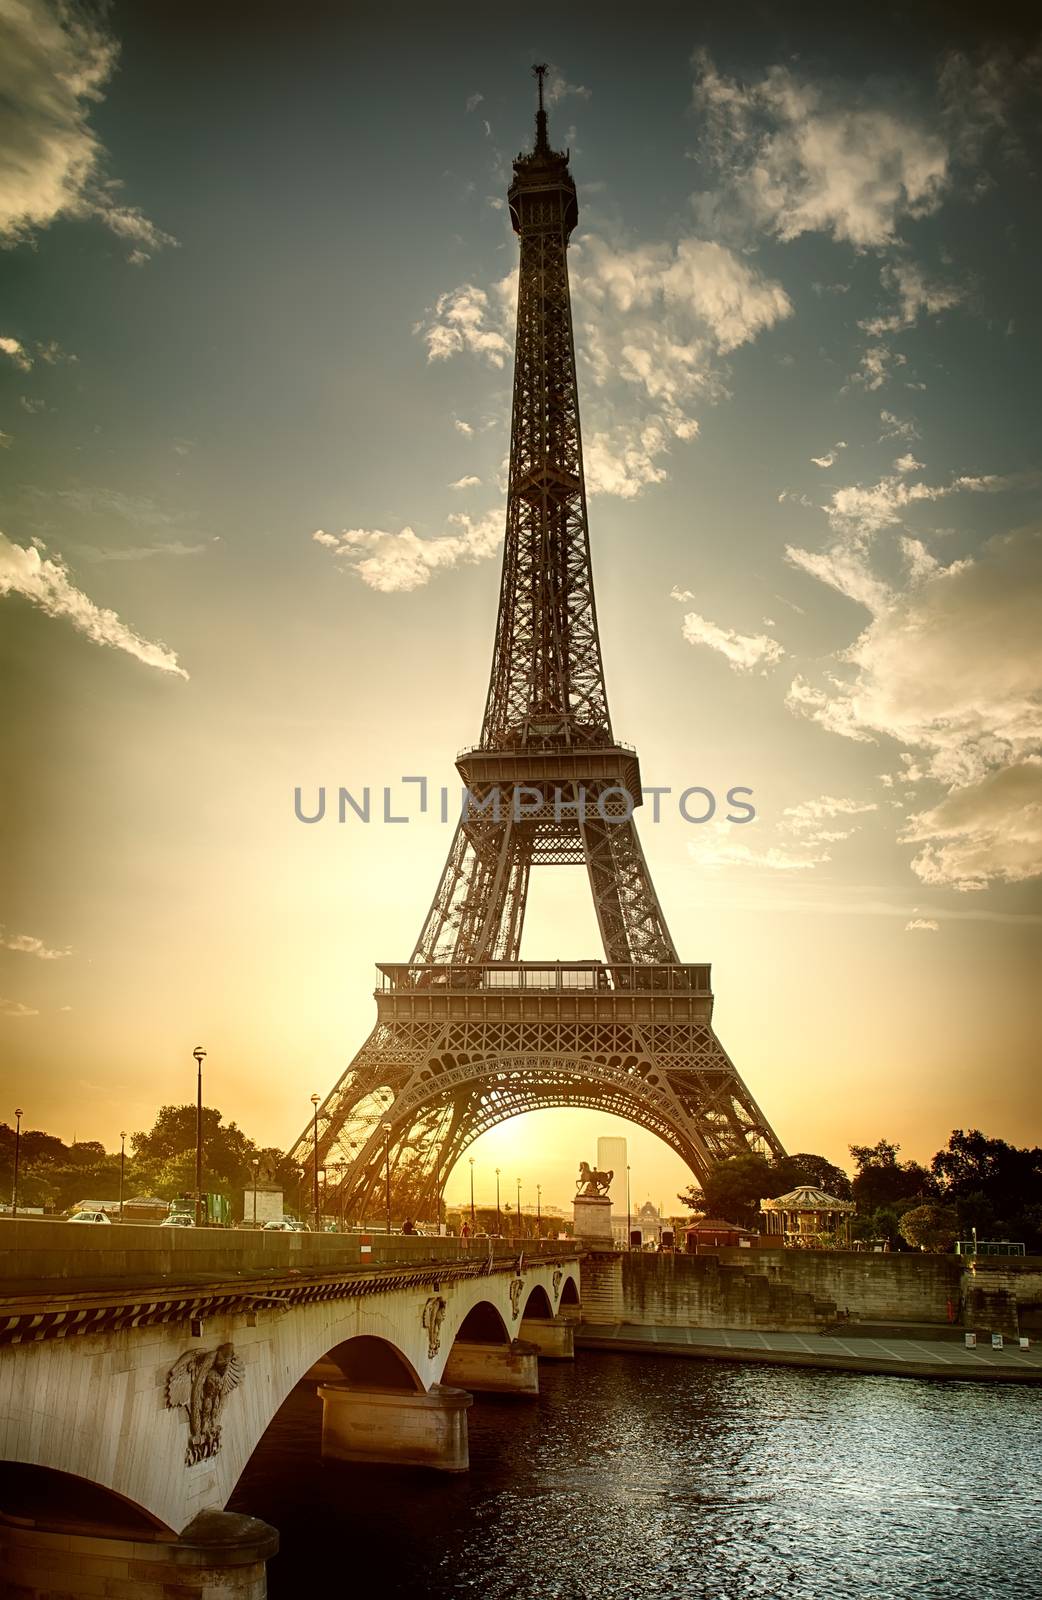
[903, 1357]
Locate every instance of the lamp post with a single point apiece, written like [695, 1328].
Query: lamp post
[256, 1175]
[539, 1211]
[387, 1172]
[627, 1208]
[122, 1167]
[499, 1214]
[473, 1223]
[520, 1228]
[199, 1053]
[322, 1213]
[314, 1186]
[17, 1151]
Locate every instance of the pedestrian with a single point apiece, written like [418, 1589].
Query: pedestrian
[464, 1232]
[408, 1226]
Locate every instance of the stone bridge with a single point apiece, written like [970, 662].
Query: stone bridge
[129, 1409]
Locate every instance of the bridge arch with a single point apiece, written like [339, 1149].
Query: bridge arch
[538, 1303]
[483, 1324]
[372, 1362]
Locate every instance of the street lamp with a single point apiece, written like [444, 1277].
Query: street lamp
[199, 1054]
[122, 1165]
[17, 1149]
[539, 1211]
[387, 1172]
[256, 1175]
[627, 1208]
[322, 1215]
[315, 1101]
[473, 1224]
[499, 1214]
[520, 1229]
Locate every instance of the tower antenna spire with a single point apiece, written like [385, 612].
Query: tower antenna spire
[542, 142]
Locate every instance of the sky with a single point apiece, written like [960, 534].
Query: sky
[256, 300]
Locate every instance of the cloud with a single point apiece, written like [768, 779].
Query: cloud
[680, 594]
[15, 1008]
[45, 581]
[989, 831]
[922, 925]
[950, 667]
[469, 482]
[16, 352]
[558, 88]
[140, 552]
[799, 156]
[916, 296]
[466, 428]
[28, 944]
[651, 322]
[895, 428]
[874, 370]
[54, 63]
[397, 562]
[808, 817]
[473, 101]
[830, 456]
[718, 845]
[463, 320]
[34, 407]
[743, 652]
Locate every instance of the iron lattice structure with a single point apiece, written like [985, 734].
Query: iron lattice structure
[467, 1034]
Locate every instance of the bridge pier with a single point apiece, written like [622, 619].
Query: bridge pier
[553, 1337]
[398, 1427]
[494, 1368]
[219, 1556]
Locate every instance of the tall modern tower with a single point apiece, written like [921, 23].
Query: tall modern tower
[468, 1034]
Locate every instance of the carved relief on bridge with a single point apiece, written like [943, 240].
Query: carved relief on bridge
[516, 1287]
[433, 1317]
[558, 1279]
[200, 1381]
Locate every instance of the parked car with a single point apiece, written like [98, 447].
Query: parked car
[286, 1225]
[91, 1216]
[178, 1219]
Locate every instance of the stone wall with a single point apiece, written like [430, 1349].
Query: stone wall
[792, 1289]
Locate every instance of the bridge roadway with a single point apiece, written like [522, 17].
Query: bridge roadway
[140, 1367]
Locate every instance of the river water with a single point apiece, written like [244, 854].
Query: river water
[645, 1478]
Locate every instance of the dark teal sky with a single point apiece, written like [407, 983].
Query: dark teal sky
[795, 229]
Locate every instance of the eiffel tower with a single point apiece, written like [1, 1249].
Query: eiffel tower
[468, 1034]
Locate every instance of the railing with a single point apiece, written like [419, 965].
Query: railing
[544, 977]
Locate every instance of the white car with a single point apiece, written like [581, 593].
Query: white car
[177, 1219]
[283, 1225]
[92, 1216]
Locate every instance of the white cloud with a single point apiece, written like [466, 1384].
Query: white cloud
[28, 944]
[34, 407]
[469, 482]
[463, 320]
[16, 352]
[895, 428]
[989, 831]
[830, 456]
[743, 652]
[15, 1008]
[916, 296]
[557, 88]
[54, 63]
[680, 594]
[719, 844]
[810, 814]
[397, 562]
[922, 925]
[474, 100]
[45, 581]
[798, 155]
[875, 366]
[465, 428]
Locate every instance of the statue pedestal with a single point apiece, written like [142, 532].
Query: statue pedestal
[592, 1214]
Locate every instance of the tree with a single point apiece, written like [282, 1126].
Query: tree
[930, 1227]
[164, 1158]
[996, 1187]
[790, 1171]
[882, 1182]
[733, 1190]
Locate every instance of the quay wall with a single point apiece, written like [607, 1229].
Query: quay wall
[800, 1290]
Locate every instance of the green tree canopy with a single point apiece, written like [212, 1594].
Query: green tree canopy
[734, 1189]
[882, 1182]
[930, 1227]
[996, 1187]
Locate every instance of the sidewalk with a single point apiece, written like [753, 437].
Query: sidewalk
[912, 1358]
